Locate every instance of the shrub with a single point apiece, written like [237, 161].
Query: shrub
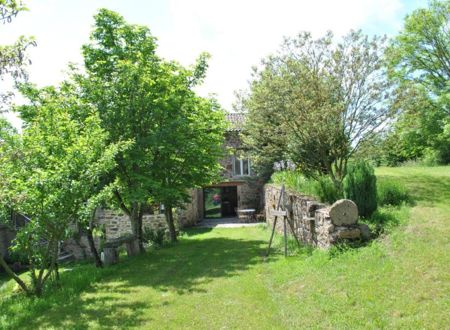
[154, 236]
[392, 193]
[360, 185]
[294, 180]
[325, 189]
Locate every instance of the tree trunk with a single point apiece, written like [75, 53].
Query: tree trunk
[13, 275]
[170, 224]
[57, 278]
[139, 230]
[90, 238]
[136, 224]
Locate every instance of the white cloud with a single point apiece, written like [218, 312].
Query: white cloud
[239, 33]
[236, 33]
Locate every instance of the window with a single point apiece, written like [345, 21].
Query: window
[241, 167]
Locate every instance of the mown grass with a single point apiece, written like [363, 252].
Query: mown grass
[219, 279]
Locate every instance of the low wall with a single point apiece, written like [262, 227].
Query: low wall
[190, 214]
[314, 223]
[118, 224]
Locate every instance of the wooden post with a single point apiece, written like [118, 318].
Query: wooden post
[276, 218]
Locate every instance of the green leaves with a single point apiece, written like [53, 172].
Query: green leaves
[419, 62]
[176, 137]
[421, 52]
[52, 168]
[316, 101]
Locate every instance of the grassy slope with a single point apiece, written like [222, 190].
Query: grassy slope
[217, 278]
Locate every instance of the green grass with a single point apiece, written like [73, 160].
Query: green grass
[219, 279]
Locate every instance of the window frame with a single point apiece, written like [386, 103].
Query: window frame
[241, 163]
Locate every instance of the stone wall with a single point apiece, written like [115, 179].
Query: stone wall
[314, 223]
[192, 212]
[118, 224]
[6, 236]
[79, 247]
[249, 194]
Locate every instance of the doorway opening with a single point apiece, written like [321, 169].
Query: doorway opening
[220, 202]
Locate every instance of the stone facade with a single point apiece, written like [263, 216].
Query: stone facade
[117, 224]
[314, 223]
[6, 236]
[249, 188]
[189, 214]
[79, 247]
[249, 192]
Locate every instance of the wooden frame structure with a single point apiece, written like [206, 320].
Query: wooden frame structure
[281, 211]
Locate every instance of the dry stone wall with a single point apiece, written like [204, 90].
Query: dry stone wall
[314, 223]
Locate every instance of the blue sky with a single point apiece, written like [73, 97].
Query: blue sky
[236, 33]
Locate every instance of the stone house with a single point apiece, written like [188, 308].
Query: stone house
[239, 187]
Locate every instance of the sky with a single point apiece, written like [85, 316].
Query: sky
[237, 34]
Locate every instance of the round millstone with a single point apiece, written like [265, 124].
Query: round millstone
[344, 212]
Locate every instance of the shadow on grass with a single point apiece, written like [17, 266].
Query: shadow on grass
[193, 231]
[106, 297]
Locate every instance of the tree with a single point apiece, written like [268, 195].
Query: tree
[48, 172]
[186, 152]
[13, 58]
[10, 9]
[149, 101]
[315, 102]
[421, 51]
[419, 62]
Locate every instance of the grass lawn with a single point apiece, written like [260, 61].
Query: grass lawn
[218, 279]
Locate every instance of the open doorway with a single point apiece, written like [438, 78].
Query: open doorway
[220, 202]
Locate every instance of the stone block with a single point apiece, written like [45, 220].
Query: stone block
[366, 234]
[344, 212]
[348, 233]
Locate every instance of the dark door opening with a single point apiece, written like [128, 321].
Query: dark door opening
[220, 202]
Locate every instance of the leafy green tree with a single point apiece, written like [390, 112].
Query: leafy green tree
[10, 9]
[186, 152]
[149, 101]
[419, 131]
[13, 58]
[316, 101]
[48, 172]
[421, 51]
[7, 135]
[419, 61]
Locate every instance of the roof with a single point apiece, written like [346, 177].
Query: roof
[236, 121]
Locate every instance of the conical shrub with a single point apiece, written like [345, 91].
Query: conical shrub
[360, 186]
